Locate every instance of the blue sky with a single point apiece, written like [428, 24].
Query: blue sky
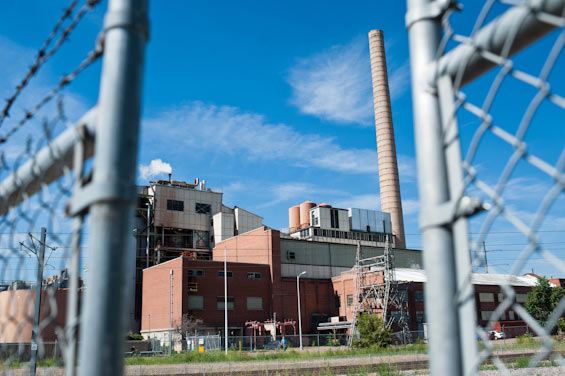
[270, 102]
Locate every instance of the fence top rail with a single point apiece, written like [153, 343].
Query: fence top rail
[522, 23]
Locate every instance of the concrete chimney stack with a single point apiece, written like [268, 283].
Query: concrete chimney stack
[386, 149]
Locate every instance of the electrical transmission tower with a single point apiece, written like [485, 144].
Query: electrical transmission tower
[378, 292]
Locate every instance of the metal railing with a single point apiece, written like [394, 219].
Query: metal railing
[73, 182]
[487, 114]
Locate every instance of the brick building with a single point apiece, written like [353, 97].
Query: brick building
[488, 295]
[196, 287]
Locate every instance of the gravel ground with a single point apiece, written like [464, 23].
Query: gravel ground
[541, 371]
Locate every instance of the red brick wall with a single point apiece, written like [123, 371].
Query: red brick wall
[316, 297]
[156, 295]
[240, 287]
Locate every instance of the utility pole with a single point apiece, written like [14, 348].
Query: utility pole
[35, 332]
[485, 256]
[226, 300]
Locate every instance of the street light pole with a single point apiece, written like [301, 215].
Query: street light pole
[170, 311]
[148, 233]
[299, 315]
[226, 300]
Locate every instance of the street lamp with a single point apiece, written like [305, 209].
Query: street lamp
[299, 316]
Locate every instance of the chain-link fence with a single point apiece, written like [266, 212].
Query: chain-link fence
[67, 180]
[488, 99]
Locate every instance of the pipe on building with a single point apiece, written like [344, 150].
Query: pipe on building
[388, 168]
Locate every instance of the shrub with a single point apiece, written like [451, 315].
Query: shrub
[134, 337]
[372, 332]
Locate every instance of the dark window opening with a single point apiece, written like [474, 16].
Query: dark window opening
[175, 205]
[334, 217]
[203, 208]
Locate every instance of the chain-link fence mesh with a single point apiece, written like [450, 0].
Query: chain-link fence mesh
[491, 83]
[46, 143]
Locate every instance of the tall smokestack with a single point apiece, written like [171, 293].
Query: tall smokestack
[386, 149]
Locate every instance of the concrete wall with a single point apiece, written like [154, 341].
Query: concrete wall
[224, 225]
[340, 255]
[187, 219]
[246, 221]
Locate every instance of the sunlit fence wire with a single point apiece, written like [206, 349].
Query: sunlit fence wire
[489, 106]
[47, 192]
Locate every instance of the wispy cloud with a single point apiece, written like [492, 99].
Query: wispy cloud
[234, 132]
[335, 85]
[363, 201]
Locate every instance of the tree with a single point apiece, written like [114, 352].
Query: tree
[188, 324]
[372, 331]
[542, 300]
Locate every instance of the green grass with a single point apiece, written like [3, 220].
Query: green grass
[236, 356]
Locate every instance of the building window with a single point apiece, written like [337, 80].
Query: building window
[511, 315]
[195, 302]
[500, 297]
[486, 297]
[419, 296]
[175, 205]
[220, 303]
[196, 273]
[203, 208]
[420, 317]
[253, 275]
[314, 219]
[349, 300]
[521, 298]
[221, 274]
[202, 239]
[254, 303]
[485, 315]
[291, 255]
[334, 218]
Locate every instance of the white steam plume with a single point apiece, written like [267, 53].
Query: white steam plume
[154, 168]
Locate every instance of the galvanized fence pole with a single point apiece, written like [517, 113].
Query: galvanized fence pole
[463, 206]
[424, 28]
[111, 195]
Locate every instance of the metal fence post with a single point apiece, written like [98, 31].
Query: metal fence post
[424, 28]
[111, 195]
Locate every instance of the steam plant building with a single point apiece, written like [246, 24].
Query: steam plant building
[176, 218]
[262, 267]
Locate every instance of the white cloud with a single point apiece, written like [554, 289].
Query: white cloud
[410, 206]
[335, 85]
[364, 201]
[230, 131]
[296, 193]
[154, 168]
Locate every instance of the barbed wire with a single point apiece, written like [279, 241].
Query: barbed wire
[43, 56]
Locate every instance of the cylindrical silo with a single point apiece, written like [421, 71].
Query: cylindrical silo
[324, 205]
[294, 218]
[305, 213]
[386, 149]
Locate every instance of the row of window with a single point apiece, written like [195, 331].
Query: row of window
[196, 302]
[179, 206]
[202, 273]
[379, 238]
[488, 297]
[486, 315]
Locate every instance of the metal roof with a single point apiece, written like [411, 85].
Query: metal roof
[419, 275]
